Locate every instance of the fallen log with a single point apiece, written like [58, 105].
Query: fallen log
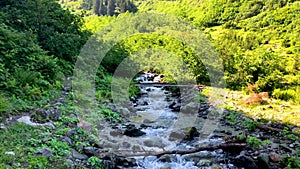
[277, 130]
[268, 128]
[225, 146]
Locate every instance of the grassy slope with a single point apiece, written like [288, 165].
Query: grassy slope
[274, 29]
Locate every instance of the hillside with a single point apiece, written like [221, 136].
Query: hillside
[257, 40]
[93, 84]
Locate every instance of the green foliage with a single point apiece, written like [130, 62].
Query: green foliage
[58, 148]
[285, 131]
[95, 163]
[267, 142]
[111, 116]
[4, 104]
[254, 142]
[55, 30]
[232, 117]
[24, 62]
[292, 137]
[290, 162]
[18, 139]
[38, 162]
[251, 125]
[99, 7]
[155, 52]
[67, 120]
[240, 136]
[257, 40]
[201, 97]
[94, 23]
[287, 94]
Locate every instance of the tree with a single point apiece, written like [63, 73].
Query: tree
[111, 7]
[57, 30]
[97, 7]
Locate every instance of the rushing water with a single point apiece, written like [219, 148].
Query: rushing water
[158, 111]
[159, 122]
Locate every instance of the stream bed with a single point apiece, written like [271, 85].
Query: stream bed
[156, 123]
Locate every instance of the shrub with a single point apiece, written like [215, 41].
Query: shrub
[4, 105]
[254, 142]
[287, 94]
[95, 162]
[290, 162]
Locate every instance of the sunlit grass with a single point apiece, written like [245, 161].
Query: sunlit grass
[272, 109]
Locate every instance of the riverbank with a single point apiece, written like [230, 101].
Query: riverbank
[58, 138]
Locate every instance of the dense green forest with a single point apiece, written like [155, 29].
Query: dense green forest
[39, 44]
[257, 40]
[100, 7]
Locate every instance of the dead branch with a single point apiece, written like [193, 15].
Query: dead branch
[225, 146]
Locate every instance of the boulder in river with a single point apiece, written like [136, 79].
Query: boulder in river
[132, 131]
[191, 133]
[154, 142]
[246, 162]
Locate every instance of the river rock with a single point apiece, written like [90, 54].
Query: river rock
[126, 144]
[117, 161]
[67, 140]
[2, 127]
[90, 151]
[203, 107]
[204, 162]
[78, 156]
[167, 166]
[133, 99]
[11, 153]
[108, 164]
[154, 142]
[246, 162]
[191, 134]
[196, 157]
[85, 125]
[167, 158]
[126, 162]
[216, 167]
[275, 157]
[71, 133]
[147, 121]
[115, 133]
[26, 120]
[44, 152]
[125, 112]
[52, 113]
[108, 144]
[191, 107]
[175, 106]
[176, 135]
[263, 161]
[132, 131]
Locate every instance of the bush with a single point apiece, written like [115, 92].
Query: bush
[254, 142]
[95, 162]
[287, 94]
[4, 104]
[290, 162]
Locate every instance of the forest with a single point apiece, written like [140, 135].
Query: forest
[42, 42]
